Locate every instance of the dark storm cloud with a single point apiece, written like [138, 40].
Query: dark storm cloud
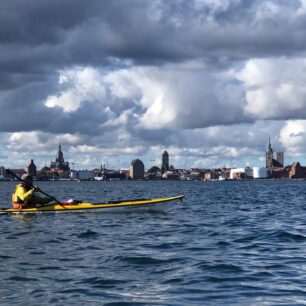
[85, 32]
[38, 22]
[39, 37]
[88, 119]
[22, 110]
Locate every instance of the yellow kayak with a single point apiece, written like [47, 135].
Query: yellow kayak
[115, 206]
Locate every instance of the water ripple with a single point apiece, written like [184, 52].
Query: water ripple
[227, 243]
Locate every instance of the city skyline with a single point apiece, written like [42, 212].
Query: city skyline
[113, 81]
[164, 162]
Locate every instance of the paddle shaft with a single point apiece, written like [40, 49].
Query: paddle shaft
[31, 185]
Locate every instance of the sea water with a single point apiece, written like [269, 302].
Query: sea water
[227, 243]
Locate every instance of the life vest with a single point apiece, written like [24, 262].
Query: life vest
[22, 197]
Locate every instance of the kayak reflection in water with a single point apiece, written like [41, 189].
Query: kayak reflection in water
[24, 195]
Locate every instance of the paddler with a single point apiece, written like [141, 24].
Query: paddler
[24, 195]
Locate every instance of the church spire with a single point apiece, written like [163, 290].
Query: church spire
[60, 156]
[270, 146]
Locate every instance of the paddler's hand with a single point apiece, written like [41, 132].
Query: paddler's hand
[36, 188]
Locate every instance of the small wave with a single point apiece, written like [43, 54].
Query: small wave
[222, 243]
[55, 241]
[164, 246]
[36, 293]
[22, 279]
[87, 234]
[284, 236]
[101, 283]
[125, 304]
[5, 257]
[37, 253]
[47, 268]
[221, 267]
[246, 238]
[176, 280]
[261, 275]
[145, 260]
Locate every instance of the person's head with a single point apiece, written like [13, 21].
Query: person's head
[27, 178]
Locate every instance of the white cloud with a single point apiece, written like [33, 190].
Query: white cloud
[213, 5]
[275, 88]
[121, 120]
[188, 97]
[293, 137]
[38, 141]
[83, 84]
[182, 95]
[302, 9]
[168, 96]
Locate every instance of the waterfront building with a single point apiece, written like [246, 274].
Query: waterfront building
[224, 174]
[32, 169]
[59, 169]
[275, 167]
[82, 175]
[248, 173]
[154, 173]
[170, 175]
[196, 174]
[137, 169]
[18, 172]
[241, 173]
[210, 174]
[2, 173]
[59, 163]
[297, 171]
[259, 173]
[270, 161]
[165, 162]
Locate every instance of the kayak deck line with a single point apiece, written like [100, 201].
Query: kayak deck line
[86, 206]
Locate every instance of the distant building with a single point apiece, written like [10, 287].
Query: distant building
[270, 161]
[224, 174]
[259, 173]
[165, 162]
[84, 175]
[59, 163]
[137, 169]
[169, 175]
[154, 173]
[241, 173]
[211, 174]
[18, 172]
[280, 158]
[196, 174]
[2, 173]
[32, 169]
[297, 171]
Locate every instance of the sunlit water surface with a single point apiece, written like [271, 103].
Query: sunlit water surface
[227, 243]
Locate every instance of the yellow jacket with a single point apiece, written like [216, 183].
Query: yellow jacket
[25, 196]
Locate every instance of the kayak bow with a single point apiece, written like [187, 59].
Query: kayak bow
[124, 205]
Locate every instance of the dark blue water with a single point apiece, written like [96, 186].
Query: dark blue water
[227, 243]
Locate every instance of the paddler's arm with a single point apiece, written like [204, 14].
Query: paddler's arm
[24, 195]
[41, 200]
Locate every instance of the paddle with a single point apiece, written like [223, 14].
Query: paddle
[31, 185]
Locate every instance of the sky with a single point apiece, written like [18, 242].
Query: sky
[207, 80]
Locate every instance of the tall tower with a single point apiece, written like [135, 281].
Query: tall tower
[269, 156]
[59, 163]
[280, 158]
[137, 169]
[60, 156]
[32, 168]
[165, 162]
